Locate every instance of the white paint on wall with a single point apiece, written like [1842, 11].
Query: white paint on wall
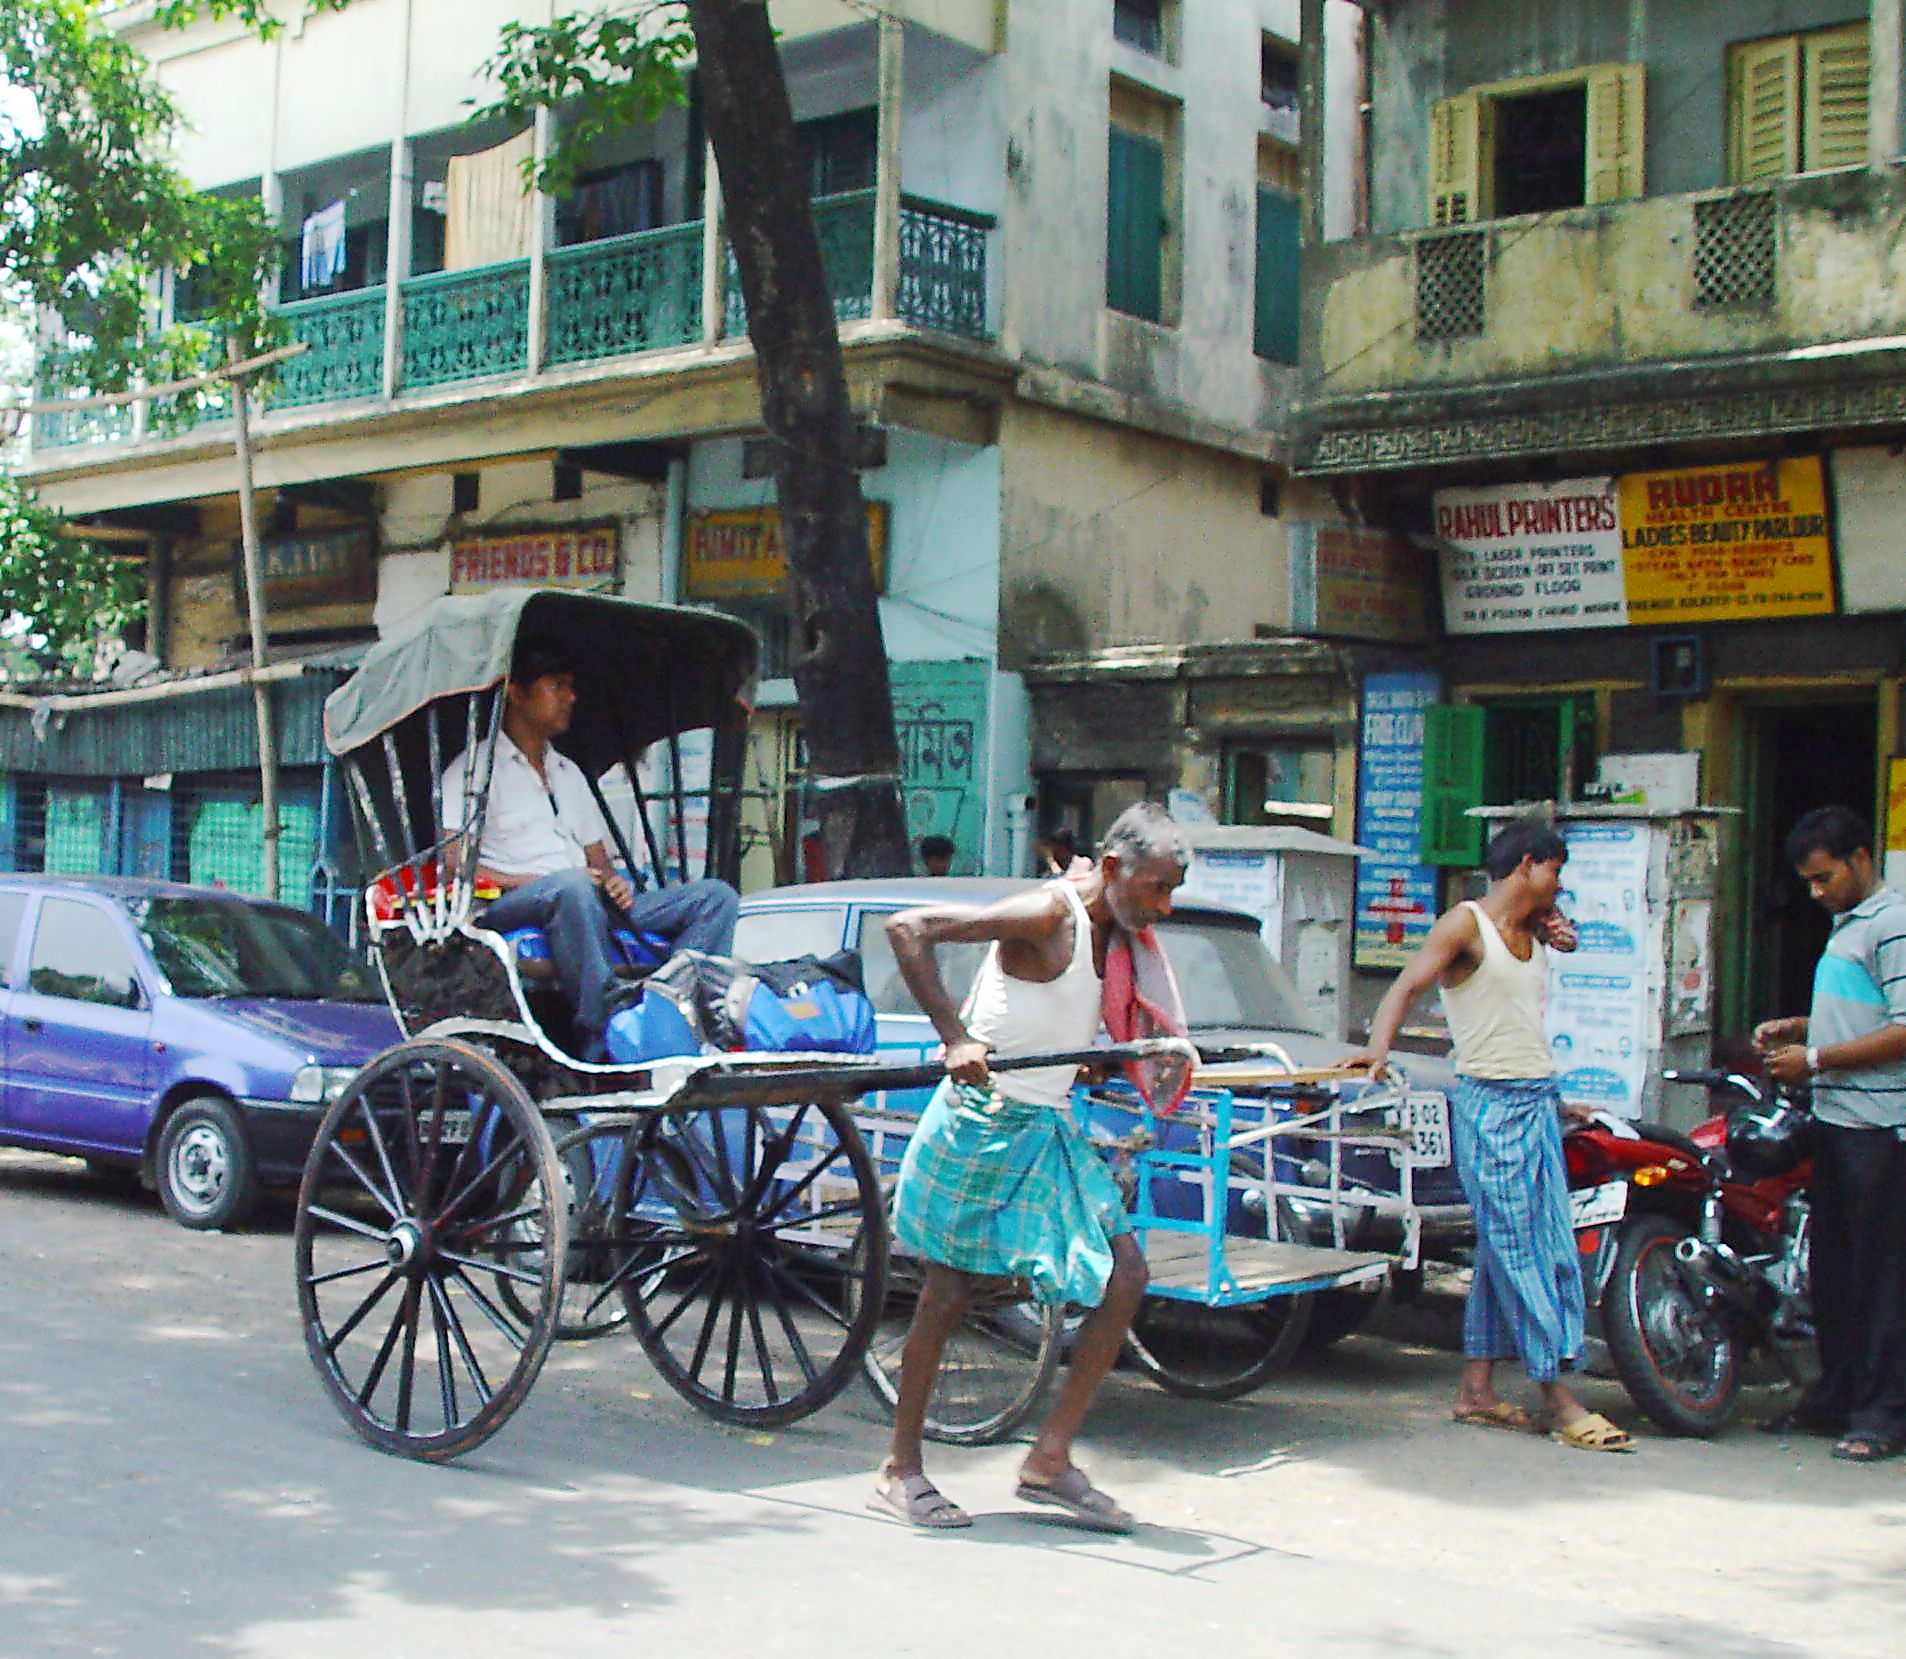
[1869, 500]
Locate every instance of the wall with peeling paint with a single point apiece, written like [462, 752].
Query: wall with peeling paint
[1113, 537]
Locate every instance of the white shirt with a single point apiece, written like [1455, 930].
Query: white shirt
[529, 830]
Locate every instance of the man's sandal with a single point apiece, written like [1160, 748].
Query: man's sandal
[916, 1501]
[1078, 1497]
[1593, 1433]
[1501, 1415]
[1864, 1447]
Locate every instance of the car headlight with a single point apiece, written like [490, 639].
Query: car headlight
[317, 1085]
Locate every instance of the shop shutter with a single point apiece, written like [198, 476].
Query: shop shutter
[1763, 110]
[1275, 333]
[1834, 131]
[1135, 225]
[1453, 750]
[1617, 98]
[1457, 160]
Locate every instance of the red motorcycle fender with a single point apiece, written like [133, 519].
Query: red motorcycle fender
[1596, 1247]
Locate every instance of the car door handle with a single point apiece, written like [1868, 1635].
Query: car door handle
[31, 1024]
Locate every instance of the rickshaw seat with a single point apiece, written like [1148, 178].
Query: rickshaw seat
[639, 951]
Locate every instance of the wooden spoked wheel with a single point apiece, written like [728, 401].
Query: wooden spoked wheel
[736, 1256]
[996, 1366]
[592, 1299]
[430, 1240]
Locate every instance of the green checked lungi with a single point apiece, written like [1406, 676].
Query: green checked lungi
[996, 1186]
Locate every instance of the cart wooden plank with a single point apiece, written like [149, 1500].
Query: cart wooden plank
[1178, 1262]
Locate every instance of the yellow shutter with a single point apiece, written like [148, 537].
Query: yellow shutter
[1834, 130]
[1616, 115]
[1457, 161]
[1763, 110]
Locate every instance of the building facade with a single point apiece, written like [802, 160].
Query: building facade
[1062, 236]
[1617, 346]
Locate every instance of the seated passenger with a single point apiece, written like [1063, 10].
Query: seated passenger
[544, 846]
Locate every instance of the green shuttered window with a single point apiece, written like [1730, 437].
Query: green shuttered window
[1453, 753]
[1135, 226]
[1275, 330]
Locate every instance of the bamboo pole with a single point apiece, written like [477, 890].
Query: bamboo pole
[255, 615]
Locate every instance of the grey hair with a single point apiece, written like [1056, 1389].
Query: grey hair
[1145, 832]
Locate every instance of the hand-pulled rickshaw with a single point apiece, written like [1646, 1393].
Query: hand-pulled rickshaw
[738, 1226]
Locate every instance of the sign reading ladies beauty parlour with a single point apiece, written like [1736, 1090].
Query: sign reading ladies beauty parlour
[1728, 543]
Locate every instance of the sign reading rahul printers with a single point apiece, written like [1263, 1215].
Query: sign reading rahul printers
[1709, 544]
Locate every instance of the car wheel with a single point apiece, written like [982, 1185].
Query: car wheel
[207, 1176]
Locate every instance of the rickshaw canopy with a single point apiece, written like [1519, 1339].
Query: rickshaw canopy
[642, 670]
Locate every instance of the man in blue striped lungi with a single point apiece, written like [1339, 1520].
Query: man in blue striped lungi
[1490, 959]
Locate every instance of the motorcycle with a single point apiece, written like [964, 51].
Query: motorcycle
[1694, 1247]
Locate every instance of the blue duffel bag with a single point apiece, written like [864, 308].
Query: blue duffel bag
[650, 1028]
[816, 1016]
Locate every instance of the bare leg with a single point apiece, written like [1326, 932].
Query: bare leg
[1477, 1389]
[1564, 1408]
[1094, 1352]
[942, 1304]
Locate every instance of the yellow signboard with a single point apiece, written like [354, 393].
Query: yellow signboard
[741, 551]
[1728, 543]
[582, 557]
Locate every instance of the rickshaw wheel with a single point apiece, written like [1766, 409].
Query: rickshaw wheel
[592, 1299]
[419, 1173]
[1201, 1352]
[735, 1228]
[996, 1366]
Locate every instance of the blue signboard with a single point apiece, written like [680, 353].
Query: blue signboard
[1396, 890]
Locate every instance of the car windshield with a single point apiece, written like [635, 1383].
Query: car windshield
[1228, 978]
[227, 948]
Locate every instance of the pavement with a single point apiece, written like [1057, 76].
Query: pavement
[174, 1482]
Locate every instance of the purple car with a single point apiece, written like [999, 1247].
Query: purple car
[187, 1035]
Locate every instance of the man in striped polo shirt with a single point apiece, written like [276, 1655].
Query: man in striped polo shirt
[1852, 1047]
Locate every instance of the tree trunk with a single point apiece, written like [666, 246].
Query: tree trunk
[840, 659]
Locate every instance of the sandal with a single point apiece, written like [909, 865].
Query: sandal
[916, 1501]
[1078, 1497]
[1868, 1448]
[1593, 1433]
[1501, 1415]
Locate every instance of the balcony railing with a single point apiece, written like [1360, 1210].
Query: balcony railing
[345, 359]
[604, 300]
[628, 294]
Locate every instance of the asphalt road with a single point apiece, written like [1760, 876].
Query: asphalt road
[173, 1482]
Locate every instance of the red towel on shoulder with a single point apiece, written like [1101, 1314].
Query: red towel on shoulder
[1141, 1000]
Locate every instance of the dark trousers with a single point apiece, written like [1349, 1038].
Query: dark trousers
[1859, 1280]
[570, 908]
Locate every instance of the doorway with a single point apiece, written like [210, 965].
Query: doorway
[1798, 756]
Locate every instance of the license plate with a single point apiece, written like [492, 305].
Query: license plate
[1597, 1206]
[1429, 1129]
[456, 1126]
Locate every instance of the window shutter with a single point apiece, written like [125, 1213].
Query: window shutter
[1135, 225]
[1837, 90]
[1275, 334]
[1763, 111]
[1617, 95]
[1456, 160]
[1453, 750]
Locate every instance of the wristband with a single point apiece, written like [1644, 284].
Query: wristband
[1813, 1061]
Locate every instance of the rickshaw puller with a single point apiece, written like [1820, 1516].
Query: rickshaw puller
[997, 1179]
[545, 846]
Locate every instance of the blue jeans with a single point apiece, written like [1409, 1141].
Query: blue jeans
[570, 909]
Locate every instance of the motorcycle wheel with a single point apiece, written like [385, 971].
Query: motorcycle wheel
[1679, 1362]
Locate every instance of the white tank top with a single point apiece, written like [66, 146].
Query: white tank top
[1495, 1015]
[1025, 1016]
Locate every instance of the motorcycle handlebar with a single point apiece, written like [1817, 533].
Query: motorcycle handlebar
[1710, 1078]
